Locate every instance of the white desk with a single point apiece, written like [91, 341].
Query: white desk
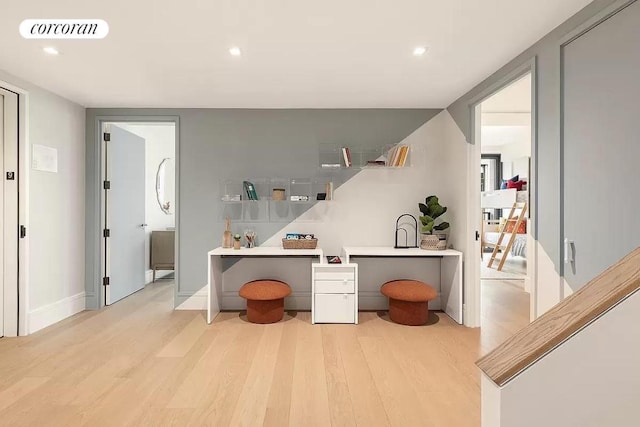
[214, 285]
[450, 295]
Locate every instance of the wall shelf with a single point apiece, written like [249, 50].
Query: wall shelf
[236, 206]
[331, 157]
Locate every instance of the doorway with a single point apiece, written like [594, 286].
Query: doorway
[139, 206]
[502, 187]
[9, 217]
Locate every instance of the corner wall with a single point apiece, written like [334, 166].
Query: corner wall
[56, 208]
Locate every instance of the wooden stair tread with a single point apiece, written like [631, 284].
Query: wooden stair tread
[562, 321]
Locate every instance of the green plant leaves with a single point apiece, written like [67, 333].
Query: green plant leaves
[442, 226]
[431, 200]
[431, 210]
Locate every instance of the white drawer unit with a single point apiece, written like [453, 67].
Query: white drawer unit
[335, 286]
[334, 293]
[334, 308]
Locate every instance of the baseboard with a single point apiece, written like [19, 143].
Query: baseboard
[49, 314]
[148, 275]
[197, 301]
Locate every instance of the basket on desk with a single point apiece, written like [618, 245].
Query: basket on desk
[299, 243]
[433, 242]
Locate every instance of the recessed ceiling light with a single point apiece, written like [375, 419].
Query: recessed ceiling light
[235, 51]
[419, 51]
[51, 50]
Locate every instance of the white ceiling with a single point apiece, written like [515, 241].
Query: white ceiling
[314, 54]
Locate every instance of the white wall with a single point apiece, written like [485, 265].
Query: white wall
[591, 380]
[57, 208]
[159, 145]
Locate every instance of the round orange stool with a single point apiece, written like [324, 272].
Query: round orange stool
[265, 300]
[409, 301]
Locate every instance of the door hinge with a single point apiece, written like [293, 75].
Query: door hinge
[106, 185]
[477, 235]
[105, 281]
[106, 136]
[23, 231]
[106, 233]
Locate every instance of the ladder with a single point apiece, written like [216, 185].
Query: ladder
[514, 217]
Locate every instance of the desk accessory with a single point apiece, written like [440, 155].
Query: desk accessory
[278, 194]
[250, 189]
[250, 237]
[299, 241]
[236, 241]
[401, 227]
[226, 236]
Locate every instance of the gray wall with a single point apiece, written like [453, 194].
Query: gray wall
[219, 144]
[548, 126]
[601, 150]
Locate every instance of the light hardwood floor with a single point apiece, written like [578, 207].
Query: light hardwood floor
[139, 362]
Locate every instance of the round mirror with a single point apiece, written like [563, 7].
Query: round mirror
[165, 186]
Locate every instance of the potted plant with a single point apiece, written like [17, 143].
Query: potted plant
[236, 241]
[433, 236]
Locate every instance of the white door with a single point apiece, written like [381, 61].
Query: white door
[9, 213]
[125, 214]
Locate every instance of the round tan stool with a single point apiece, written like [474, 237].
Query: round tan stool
[265, 300]
[409, 301]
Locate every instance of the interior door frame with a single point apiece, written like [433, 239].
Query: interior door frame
[615, 8]
[100, 248]
[473, 295]
[18, 302]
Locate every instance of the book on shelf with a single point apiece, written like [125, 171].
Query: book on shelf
[328, 188]
[330, 165]
[403, 155]
[376, 162]
[397, 156]
[346, 154]
[250, 189]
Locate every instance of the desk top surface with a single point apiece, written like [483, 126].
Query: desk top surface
[391, 251]
[266, 251]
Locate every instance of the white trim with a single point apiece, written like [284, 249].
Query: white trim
[52, 313]
[19, 305]
[24, 155]
[472, 292]
[148, 275]
[197, 301]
